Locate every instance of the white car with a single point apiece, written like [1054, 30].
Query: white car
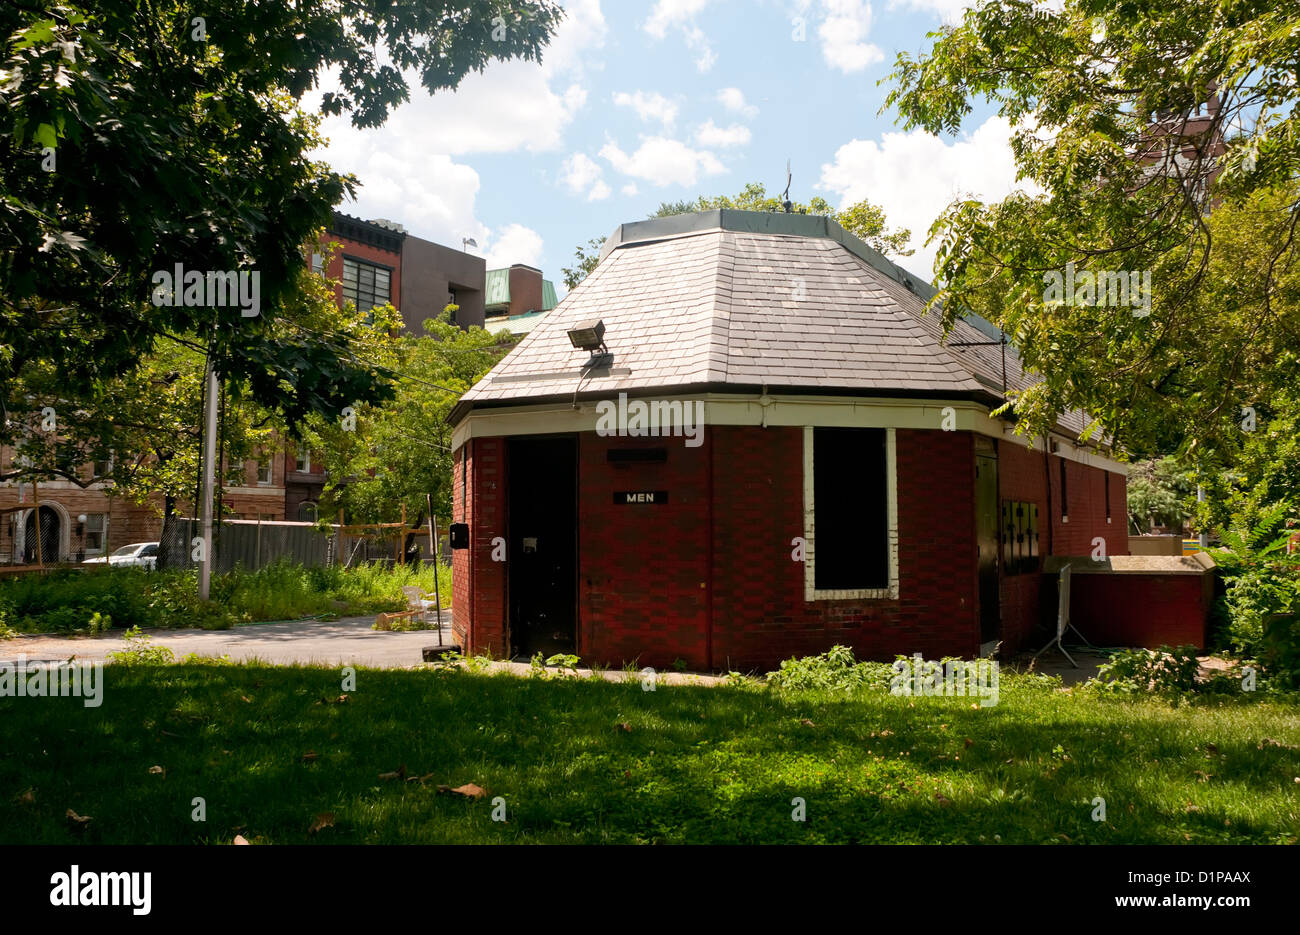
[142, 554]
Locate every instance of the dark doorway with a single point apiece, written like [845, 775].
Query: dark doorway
[49, 540]
[986, 540]
[542, 550]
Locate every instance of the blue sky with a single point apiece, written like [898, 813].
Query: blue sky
[643, 101]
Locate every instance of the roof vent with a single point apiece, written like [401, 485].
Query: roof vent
[391, 225]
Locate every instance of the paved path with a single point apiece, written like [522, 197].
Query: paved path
[346, 641]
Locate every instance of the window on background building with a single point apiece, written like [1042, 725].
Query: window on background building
[307, 512]
[1065, 494]
[849, 512]
[365, 283]
[93, 535]
[302, 462]
[101, 468]
[318, 263]
[264, 471]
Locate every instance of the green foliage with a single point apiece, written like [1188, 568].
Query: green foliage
[1160, 492]
[1093, 91]
[139, 651]
[71, 600]
[835, 670]
[1262, 602]
[1164, 671]
[203, 139]
[400, 451]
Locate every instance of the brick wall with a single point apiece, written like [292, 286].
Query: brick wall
[708, 577]
[480, 614]
[643, 569]
[1023, 475]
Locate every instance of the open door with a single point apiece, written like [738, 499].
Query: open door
[542, 553]
[987, 542]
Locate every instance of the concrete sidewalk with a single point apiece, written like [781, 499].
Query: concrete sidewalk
[346, 641]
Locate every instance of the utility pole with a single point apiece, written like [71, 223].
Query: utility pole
[209, 465]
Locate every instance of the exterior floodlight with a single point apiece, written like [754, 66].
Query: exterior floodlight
[589, 336]
[467, 242]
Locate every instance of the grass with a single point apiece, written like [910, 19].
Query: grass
[66, 601]
[580, 760]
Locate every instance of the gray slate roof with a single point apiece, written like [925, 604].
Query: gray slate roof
[740, 299]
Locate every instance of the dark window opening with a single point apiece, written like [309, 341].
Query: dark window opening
[850, 504]
[1019, 537]
[1065, 494]
[365, 284]
[1105, 483]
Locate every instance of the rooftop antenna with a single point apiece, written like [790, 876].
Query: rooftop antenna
[785, 195]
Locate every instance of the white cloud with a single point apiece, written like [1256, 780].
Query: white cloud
[844, 34]
[662, 161]
[407, 167]
[668, 13]
[680, 15]
[584, 174]
[734, 100]
[696, 41]
[914, 176]
[710, 134]
[514, 244]
[950, 11]
[649, 106]
[629, 189]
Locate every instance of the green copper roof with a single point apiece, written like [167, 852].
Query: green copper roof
[548, 295]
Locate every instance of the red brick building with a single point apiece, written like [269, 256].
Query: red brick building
[775, 451]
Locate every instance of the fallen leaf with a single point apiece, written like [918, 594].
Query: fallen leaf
[239, 839]
[625, 726]
[321, 821]
[82, 820]
[806, 723]
[399, 773]
[969, 741]
[886, 733]
[309, 756]
[245, 699]
[157, 771]
[29, 797]
[469, 790]
[942, 799]
[342, 699]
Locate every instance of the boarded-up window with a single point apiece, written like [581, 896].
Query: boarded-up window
[850, 505]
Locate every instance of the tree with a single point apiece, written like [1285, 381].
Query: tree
[136, 137]
[1160, 492]
[1165, 142]
[863, 219]
[396, 452]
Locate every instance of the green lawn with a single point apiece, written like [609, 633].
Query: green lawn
[269, 749]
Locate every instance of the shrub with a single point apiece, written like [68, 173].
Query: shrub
[140, 652]
[1164, 671]
[834, 670]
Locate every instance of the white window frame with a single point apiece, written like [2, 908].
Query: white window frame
[103, 534]
[810, 591]
[270, 472]
[299, 458]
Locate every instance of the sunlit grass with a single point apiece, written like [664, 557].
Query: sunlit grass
[269, 749]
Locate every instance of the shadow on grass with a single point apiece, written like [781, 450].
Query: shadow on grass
[268, 749]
